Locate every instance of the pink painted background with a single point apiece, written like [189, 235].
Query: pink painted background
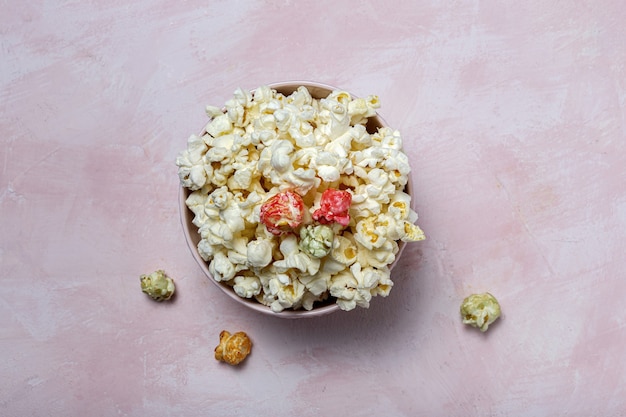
[513, 114]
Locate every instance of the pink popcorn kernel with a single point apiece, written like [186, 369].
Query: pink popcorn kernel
[282, 212]
[334, 207]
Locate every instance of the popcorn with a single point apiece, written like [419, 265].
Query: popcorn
[295, 201]
[190, 163]
[233, 348]
[288, 294]
[334, 207]
[219, 125]
[361, 108]
[221, 268]
[378, 257]
[316, 240]
[294, 259]
[344, 250]
[259, 253]
[282, 212]
[480, 310]
[247, 286]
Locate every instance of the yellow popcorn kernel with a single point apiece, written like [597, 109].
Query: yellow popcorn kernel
[369, 233]
[373, 101]
[413, 233]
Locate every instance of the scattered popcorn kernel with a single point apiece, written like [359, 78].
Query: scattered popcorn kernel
[480, 310]
[233, 348]
[158, 285]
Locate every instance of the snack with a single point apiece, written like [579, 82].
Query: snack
[233, 348]
[295, 201]
[158, 285]
[282, 212]
[480, 310]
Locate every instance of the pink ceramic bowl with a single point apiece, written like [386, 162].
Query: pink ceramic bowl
[318, 91]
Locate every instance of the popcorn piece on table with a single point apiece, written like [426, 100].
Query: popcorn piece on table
[158, 285]
[233, 348]
[480, 310]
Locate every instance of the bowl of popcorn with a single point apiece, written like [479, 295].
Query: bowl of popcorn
[296, 199]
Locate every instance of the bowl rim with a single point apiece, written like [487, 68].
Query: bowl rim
[192, 236]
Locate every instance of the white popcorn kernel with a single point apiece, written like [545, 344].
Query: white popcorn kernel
[250, 207]
[242, 177]
[259, 253]
[328, 166]
[384, 283]
[308, 300]
[220, 125]
[340, 96]
[379, 187]
[370, 233]
[233, 217]
[378, 257]
[287, 294]
[362, 206]
[281, 151]
[238, 259]
[195, 202]
[294, 258]
[361, 139]
[302, 140]
[216, 232]
[206, 250]
[357, 109]
[221, 268]
[397, 166]
[213, 111]
[301, 97]
[303, 158]
[334, 116]
[247, 286]
[316, 284]
[400, 206]
[361, 109]
[300, 180]
[412, 233]
[391, 139]
[287, 118]
[190, 164]
[220, 198]
[367, 278]
[328, 173]
[241, 97]
[236, 114]
[340, 146]
[263, 94]
[345, 287]
[218, 154]
[344, 251]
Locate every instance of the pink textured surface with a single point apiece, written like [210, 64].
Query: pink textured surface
[513, 115]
